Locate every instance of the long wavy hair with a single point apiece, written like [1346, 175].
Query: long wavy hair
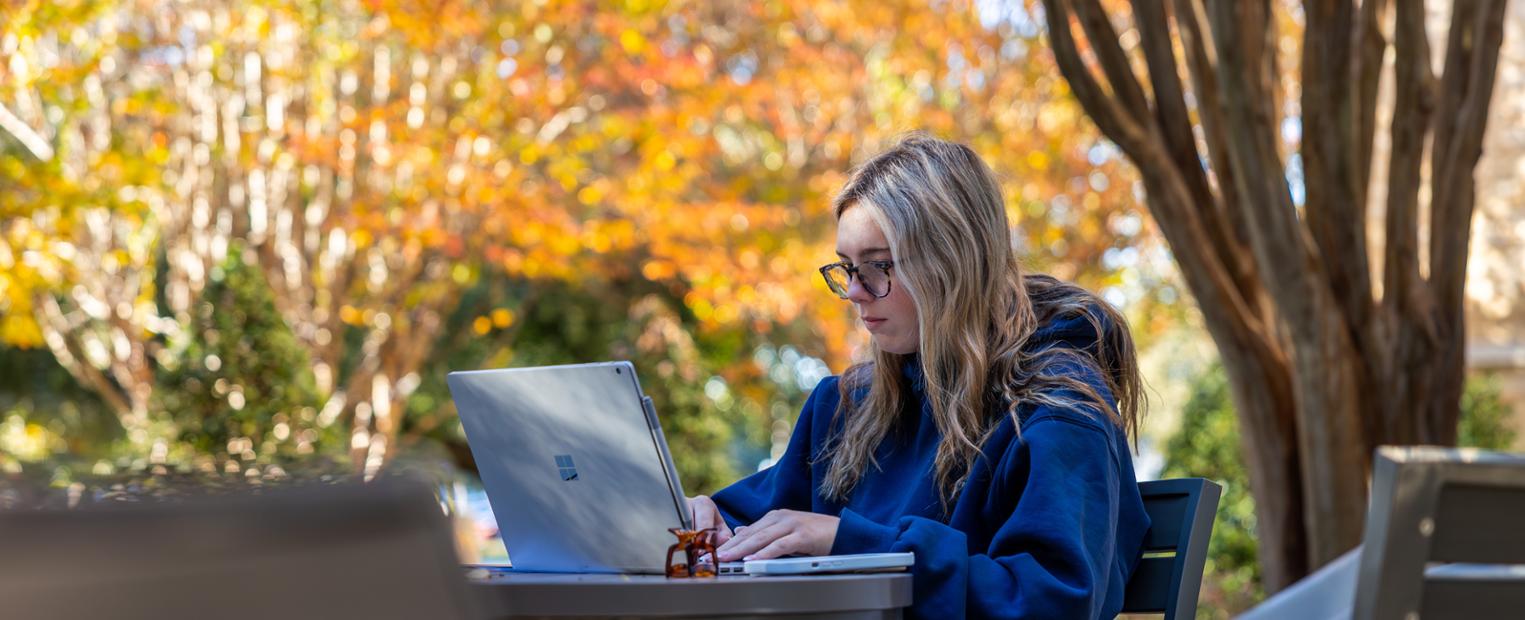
[941, 208]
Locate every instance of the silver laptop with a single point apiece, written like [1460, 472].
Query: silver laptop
[579, 475]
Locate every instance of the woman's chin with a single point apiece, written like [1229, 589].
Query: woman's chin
[892, 345]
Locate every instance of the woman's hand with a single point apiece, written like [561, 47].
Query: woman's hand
[780, 533]
[707, 515]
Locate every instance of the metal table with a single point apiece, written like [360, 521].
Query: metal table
[879, 596]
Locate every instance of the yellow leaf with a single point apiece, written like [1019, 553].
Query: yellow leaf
[460, 273]
[502, 317]
[657, 270]
[589, 195]
[666, 161]
[632, 41]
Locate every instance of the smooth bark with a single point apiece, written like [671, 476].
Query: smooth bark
[1322, 369]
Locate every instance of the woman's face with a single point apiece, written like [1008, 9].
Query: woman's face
[892, 318]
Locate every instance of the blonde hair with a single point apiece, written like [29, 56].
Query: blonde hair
[941, 208]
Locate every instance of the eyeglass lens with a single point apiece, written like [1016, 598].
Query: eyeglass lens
[873, 278]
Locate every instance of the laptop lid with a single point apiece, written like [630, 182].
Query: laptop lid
[574, 465]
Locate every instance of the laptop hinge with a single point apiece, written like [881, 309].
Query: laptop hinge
[679, 500]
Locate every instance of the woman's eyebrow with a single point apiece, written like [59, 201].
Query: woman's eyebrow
[867, 252]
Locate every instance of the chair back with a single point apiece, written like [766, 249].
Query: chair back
[1169, 575]
[1444, 535]
[381, 550]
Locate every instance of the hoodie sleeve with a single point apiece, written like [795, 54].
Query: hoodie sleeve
[788, 483]
[1053, 557]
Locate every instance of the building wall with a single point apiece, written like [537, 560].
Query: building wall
[1496, 267]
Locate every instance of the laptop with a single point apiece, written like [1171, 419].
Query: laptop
[579, 475]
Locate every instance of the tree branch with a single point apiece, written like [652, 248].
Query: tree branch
[28, 137]
[1203, 62]
[1366, 73]
[1114, 61]
[1453, 85]
[1413, 105]
[1109, 115]
[1239, 33]
[1175, 127]
[1170, 103]
[1472, 55]
[56, 331]
[1169, 199]
[1322, 359]
[1335, 216]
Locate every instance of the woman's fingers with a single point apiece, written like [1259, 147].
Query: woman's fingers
[703, 511]
[754, 537]
[807, 533]
[744, 534]
[748, 544]
[781, 547]
[707, 515]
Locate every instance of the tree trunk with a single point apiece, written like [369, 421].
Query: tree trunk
[1262, 393]
[1322, 371]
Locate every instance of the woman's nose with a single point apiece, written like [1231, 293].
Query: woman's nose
[856, 292]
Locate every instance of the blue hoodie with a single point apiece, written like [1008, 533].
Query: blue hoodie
[1048, 524]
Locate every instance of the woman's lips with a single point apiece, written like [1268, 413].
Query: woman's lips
[872, 322]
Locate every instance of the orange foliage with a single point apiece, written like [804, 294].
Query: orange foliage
[687, 142]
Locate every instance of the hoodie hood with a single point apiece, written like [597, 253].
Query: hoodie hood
[1072, 330]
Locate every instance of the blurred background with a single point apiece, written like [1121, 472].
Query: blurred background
[242, 241]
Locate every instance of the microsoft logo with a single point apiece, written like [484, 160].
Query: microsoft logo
[564, 464]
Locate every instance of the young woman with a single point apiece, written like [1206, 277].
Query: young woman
[988, 431]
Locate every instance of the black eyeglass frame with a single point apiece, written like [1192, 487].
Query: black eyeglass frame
[853, 272]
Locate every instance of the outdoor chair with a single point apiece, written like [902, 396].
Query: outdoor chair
[1167, 579]
[1445, 535]
[380, 550]
[1444, 539]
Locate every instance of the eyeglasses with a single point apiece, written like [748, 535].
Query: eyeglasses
[874, 275]
[698, 558]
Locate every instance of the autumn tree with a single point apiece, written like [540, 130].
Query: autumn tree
[1329, 354]
[374, 161]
